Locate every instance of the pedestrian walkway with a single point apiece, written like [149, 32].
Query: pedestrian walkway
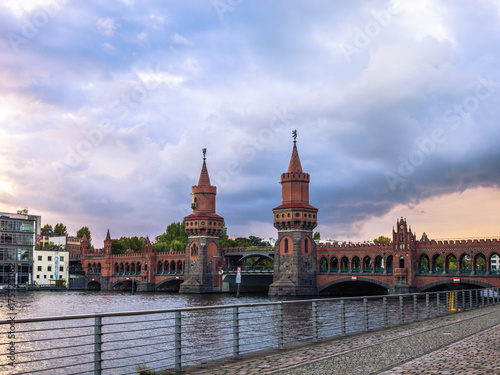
[462, 343]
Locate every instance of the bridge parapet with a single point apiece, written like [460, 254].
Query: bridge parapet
[458, 243]
[326, 247]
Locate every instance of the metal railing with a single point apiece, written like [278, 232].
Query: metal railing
[172, 339]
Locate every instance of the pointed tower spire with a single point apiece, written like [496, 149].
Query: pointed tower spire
[295, 166]
[108, 237]
[204, 178]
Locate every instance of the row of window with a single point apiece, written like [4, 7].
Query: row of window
[14, 238]
[16, 226]
[49, 268]
[296, 215]
[49, 258]
[48, 276]
[19, 255]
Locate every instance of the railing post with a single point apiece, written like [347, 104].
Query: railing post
[437, 304]
[97, 345]
[470, 299]
[236, 333]
[401, 311]
[315, 321]
[342, 318]
[427, 305]
[386, 315]
[482, 298]
[447, 295]
[463, 300]
[365, 312]
[280, 326]
[178, 342]
[415, 310]
[455, 295]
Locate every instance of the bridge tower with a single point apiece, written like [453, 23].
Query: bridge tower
[405, 257]
[203, 227]
[295, 219]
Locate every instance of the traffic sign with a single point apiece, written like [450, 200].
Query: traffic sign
[238, 278]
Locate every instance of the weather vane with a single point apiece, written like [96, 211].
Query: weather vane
[294, 133]
[204, 154]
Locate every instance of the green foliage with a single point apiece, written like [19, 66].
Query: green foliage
[174, 238]
[85, 230]
[224, 240]
[117, 247]
[60, 229]
[47, 227]
[382, 239]
[133, 243]
[316, 236]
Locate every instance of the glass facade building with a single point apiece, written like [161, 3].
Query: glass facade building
[18, 238]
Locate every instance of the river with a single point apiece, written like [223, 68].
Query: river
[46, 303]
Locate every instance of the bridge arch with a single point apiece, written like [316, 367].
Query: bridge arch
[323, 264]
[448, 282]
[124, 284]
[361, 281]
[94, 285]
[170, 284]
[480, 263]
[334, 264]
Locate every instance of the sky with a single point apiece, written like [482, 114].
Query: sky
[105, 108]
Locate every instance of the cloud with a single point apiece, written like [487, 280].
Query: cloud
[124, 97]
[107, 26]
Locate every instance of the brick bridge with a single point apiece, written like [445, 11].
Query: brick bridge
[296, 265]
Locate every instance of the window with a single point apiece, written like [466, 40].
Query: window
[50, 258]
[37, 276]
[61, 259]
[49, 268]
[51, 276]
[60, 277]
[306, 246]
[61, 268]
[39, 257]
[39, 268]
[286, 245]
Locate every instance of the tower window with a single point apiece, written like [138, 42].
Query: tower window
[194, 250]
[286, 245]
[306, 246]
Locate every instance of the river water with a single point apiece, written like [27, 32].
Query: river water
[46, 303]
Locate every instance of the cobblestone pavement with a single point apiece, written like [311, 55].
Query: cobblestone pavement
[468, 342]
[478, 354]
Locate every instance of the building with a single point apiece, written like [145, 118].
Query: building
[50, 264]
[75, 254]
[19, 234]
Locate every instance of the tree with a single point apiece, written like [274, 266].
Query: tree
[85, 230]
[47, 227]
[224, 240]
[117, 247]
[382, 239]
[316, 236]
[174, 238]
[60, 229]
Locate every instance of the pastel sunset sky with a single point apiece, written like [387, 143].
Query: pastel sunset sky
[105, 107]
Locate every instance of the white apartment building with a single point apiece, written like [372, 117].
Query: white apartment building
[50, 265]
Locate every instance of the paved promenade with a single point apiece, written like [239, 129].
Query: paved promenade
[463, 343]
